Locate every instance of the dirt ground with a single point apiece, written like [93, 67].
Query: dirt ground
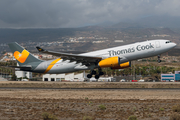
[77, 104]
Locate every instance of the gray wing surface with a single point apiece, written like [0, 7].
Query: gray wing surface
[72, 57]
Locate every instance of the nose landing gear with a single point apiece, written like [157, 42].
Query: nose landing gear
[159, 60]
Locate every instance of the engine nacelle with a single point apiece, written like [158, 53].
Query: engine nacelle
[110, 62]
[123, 65]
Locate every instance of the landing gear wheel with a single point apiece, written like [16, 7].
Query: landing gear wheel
[89, 76]
[97, 76]
[159, 59]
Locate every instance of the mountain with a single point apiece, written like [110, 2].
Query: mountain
[151, 22]
[127, 25]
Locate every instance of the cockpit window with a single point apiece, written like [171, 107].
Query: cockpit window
[168, 41]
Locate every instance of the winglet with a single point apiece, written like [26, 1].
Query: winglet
[40, 49]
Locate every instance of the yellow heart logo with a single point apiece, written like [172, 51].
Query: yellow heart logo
[21, 57]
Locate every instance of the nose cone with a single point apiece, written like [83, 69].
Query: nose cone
[174, 45]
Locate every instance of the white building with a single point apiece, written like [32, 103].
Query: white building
[22, 74]
[74, 77]
[102, 79]
[64, 77]
[118, 41]
[105, 79]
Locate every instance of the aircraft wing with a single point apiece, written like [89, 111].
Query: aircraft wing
[72, 57]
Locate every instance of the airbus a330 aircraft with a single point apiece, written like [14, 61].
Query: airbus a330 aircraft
[116, 58]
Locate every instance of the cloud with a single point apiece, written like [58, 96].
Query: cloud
[74, 13]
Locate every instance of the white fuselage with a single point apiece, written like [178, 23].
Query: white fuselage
[126, 53]
[135, 51]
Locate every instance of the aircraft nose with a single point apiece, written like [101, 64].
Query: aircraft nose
[174, 44]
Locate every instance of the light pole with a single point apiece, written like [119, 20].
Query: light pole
[134, 72]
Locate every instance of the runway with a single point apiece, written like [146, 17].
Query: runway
[103, 89]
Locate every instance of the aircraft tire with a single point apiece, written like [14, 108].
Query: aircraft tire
[159, 61]
[89, 76]
[97, 76]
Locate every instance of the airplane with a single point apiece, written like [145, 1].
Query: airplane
[116, 58]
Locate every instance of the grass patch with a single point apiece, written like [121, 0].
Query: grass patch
[48, 116]
[102, 107]
[134, 109]
[161, 109]
[90, 103]
[132, 117]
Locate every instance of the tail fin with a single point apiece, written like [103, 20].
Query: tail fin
[22, 56]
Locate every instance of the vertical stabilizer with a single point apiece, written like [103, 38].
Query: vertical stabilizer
[22, 56]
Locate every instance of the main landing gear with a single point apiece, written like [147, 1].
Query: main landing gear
[93, 72]
[159, 60]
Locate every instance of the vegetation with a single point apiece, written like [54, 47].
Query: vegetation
[48, 116]
[87, 118]
[176, 108]
[132, 117]
[14, 77]
[8, 72]
[134, 109]
[175, 116]
[161, 109]
[102, 107]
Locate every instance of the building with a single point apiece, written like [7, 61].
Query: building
[79, 77]
[170, 77]
[118, 41]
[102, 79]
[106, 79]
[23, 74]
[64, 77]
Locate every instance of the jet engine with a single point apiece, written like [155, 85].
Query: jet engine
[110, 62]
[123, 65]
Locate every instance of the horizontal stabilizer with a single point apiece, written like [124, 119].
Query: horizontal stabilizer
[20, 67]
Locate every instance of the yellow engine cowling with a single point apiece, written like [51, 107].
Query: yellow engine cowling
[122, 66]
[110, 62]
